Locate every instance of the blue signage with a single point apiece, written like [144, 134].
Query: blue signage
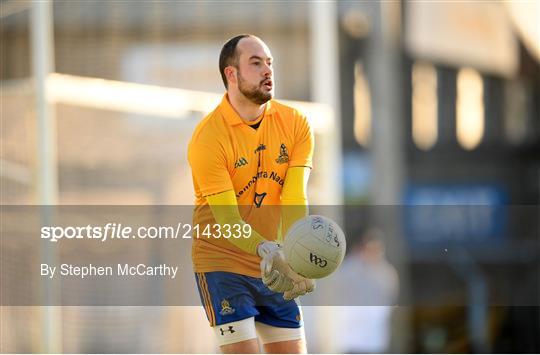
[456, 214]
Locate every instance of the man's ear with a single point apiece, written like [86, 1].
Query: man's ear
[230, 74]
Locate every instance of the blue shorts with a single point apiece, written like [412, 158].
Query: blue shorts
[229, 297]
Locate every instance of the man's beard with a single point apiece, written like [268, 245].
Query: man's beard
[253, 93]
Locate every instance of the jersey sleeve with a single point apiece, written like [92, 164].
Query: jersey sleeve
[225, 211]
[294, 204]
[302, 154]
[209, 167]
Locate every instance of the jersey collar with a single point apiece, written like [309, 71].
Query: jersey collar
[232, 117]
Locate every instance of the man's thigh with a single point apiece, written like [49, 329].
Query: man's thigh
[235, 303]
[286, 347]
[280, 326]
[226, 297]
[282, 340]
[229, 302]
[250, 346]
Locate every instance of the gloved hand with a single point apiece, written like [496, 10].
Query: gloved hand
[301, 286]
[273, 267]
[278, 276]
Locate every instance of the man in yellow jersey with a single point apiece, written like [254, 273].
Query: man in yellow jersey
[250, 159]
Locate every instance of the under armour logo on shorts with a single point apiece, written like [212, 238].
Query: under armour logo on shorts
[227, 330]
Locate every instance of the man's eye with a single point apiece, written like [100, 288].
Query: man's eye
[256, 63]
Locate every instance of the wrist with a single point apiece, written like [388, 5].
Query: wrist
[259, 251]
[266, 247]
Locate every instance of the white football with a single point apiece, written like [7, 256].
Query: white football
[314, 246]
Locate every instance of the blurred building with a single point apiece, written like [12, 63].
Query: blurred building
[444, 111]
[439, 104]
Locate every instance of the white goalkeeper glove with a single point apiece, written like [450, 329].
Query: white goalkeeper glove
[301, 286]
[278, 276]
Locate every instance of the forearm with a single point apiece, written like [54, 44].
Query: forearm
[294, 204]
[225, 211]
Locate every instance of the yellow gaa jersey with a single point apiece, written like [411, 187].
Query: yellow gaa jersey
[226, 153]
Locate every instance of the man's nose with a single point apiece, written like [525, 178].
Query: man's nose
[267, 70]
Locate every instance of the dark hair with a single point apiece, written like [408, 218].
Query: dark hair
[229, 56]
